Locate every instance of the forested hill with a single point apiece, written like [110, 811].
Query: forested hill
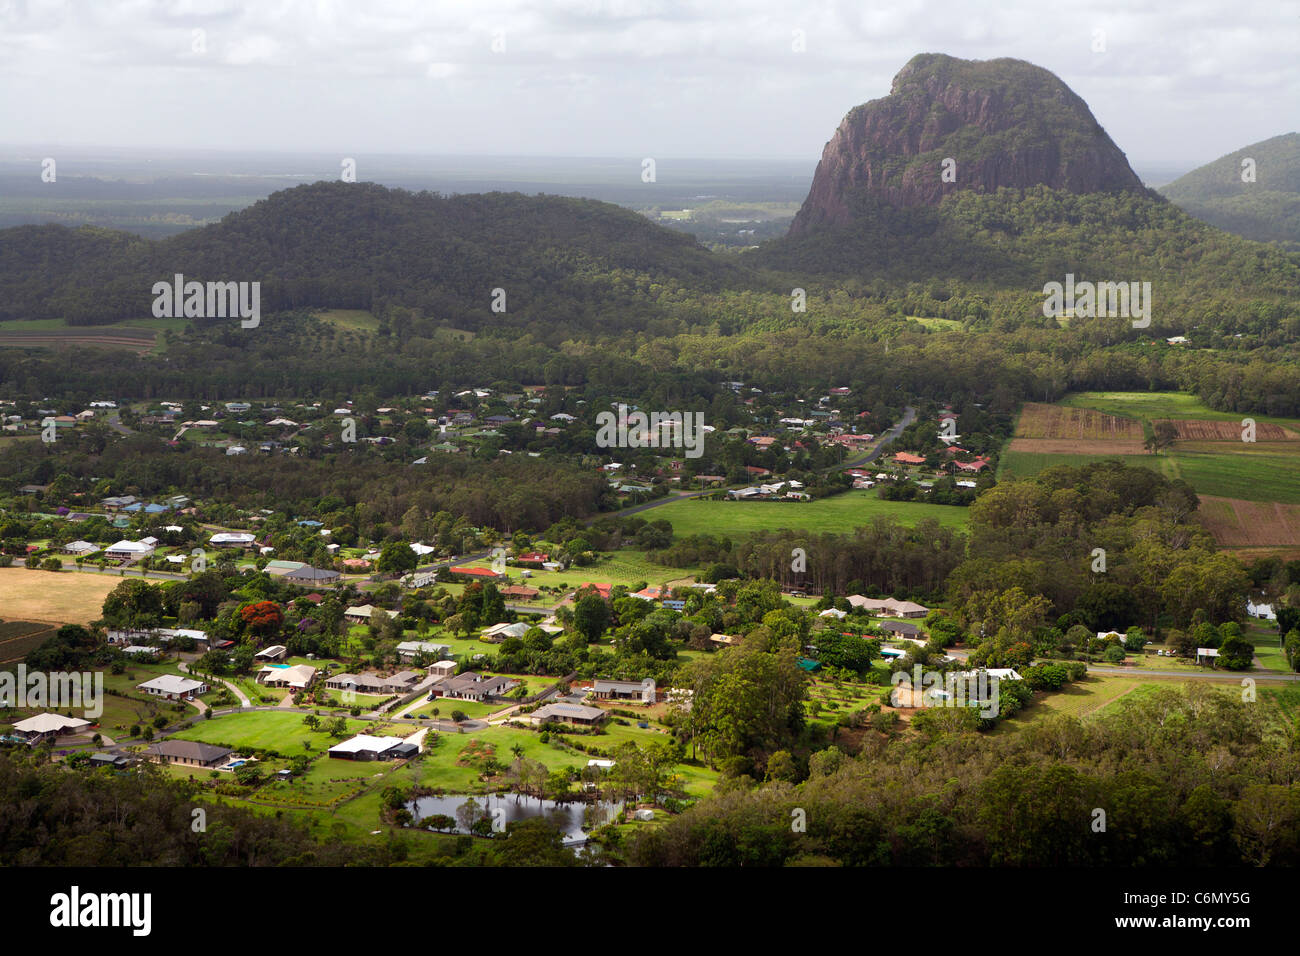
[1267, 208]
[361, 245]
[1023, 238]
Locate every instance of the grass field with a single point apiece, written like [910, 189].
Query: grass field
[351, 320]
[937, 325]
[838, 515]
[282, 731]
[53, 597]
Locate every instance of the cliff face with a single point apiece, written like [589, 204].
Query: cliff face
[1003, 122]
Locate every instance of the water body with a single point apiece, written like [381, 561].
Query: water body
[574, 819]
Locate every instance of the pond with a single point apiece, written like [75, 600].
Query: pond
[574, 819]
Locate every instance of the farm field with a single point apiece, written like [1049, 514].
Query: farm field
[18, 638]
[1236, 523]
[1153, 406]
[137, 335]
[838, 515]
[1060, 422]
[53, 597]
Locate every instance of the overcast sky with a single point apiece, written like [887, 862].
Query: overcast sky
[1179, 79]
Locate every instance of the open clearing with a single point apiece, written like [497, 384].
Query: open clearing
[1076, 446]
[1202, 430]
[1155, 406]
[839, 514]
[53, 597]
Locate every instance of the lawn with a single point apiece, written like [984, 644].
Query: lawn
[282, 731]
[838, 515]
[1078, 699]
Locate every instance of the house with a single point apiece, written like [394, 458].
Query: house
[409, 650]
[43, 727]
[978, 464]
[360, 614]
[172, 686]
[726, 640]
[520, 591]
[367, 747]
[79, 548]
[141, 651]
[298, 677]
[1206, 655]
[568, 714]
[905, 458]
[499, 632]
[900, 628]
[233, 539]
[641, 691]
[112, 761]
[128, 550]
[361, 684]
[888, 606]
[187, 753]
[533, 557]
[310, 577]
[406, 678]
[276, 652]
[472, 686]
[835, 613]
[1264, 611]
[281, 568]
[117, 503]
[483, 574]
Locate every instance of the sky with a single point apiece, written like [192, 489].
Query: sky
[1184, 80]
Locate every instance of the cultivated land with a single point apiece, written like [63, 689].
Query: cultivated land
[137, 335]
[839, 514]
[54, 597]
[1249, 490]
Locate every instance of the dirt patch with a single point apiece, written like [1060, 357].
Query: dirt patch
[53, 597]
[1196, 430]
[1066, 446]
[1058, 422]
[1244, 524]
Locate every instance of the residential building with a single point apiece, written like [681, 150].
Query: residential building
[640, 691]
[568, 714]
[173, 687]
[188, 753]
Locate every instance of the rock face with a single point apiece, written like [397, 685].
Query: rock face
[1002, 123]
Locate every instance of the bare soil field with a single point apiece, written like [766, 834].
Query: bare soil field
[1057, 422]
[1078, 446]
[53, 597]
[19, 638]
[1250, 524]
[1199, 430]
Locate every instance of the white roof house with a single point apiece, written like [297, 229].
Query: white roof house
[126, 548]
[172, 684]
[50, 724]
[365, 743]
[233, 538]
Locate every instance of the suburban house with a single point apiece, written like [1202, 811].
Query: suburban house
[499, 632]
[568, 714]
[297, 677]
[172, 686]
[521, 591]
[187, 753]
[365, 684]
[360, 614]
[279, 569]
[472, 686]
[409, 650]
[141, 651]
[888, 606]
[900, 628]
[642, 691]
[48, 727]
[78, 548]
[113, 761]
[310, 577]
[367, 747]
[128, 550]
[276, 652]
[904, 458]
[233, 539]
[483, 574]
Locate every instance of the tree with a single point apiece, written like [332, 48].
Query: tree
[591, 617]
[396, 557]
[1163, 435]
[262, 618]
[133, 604]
